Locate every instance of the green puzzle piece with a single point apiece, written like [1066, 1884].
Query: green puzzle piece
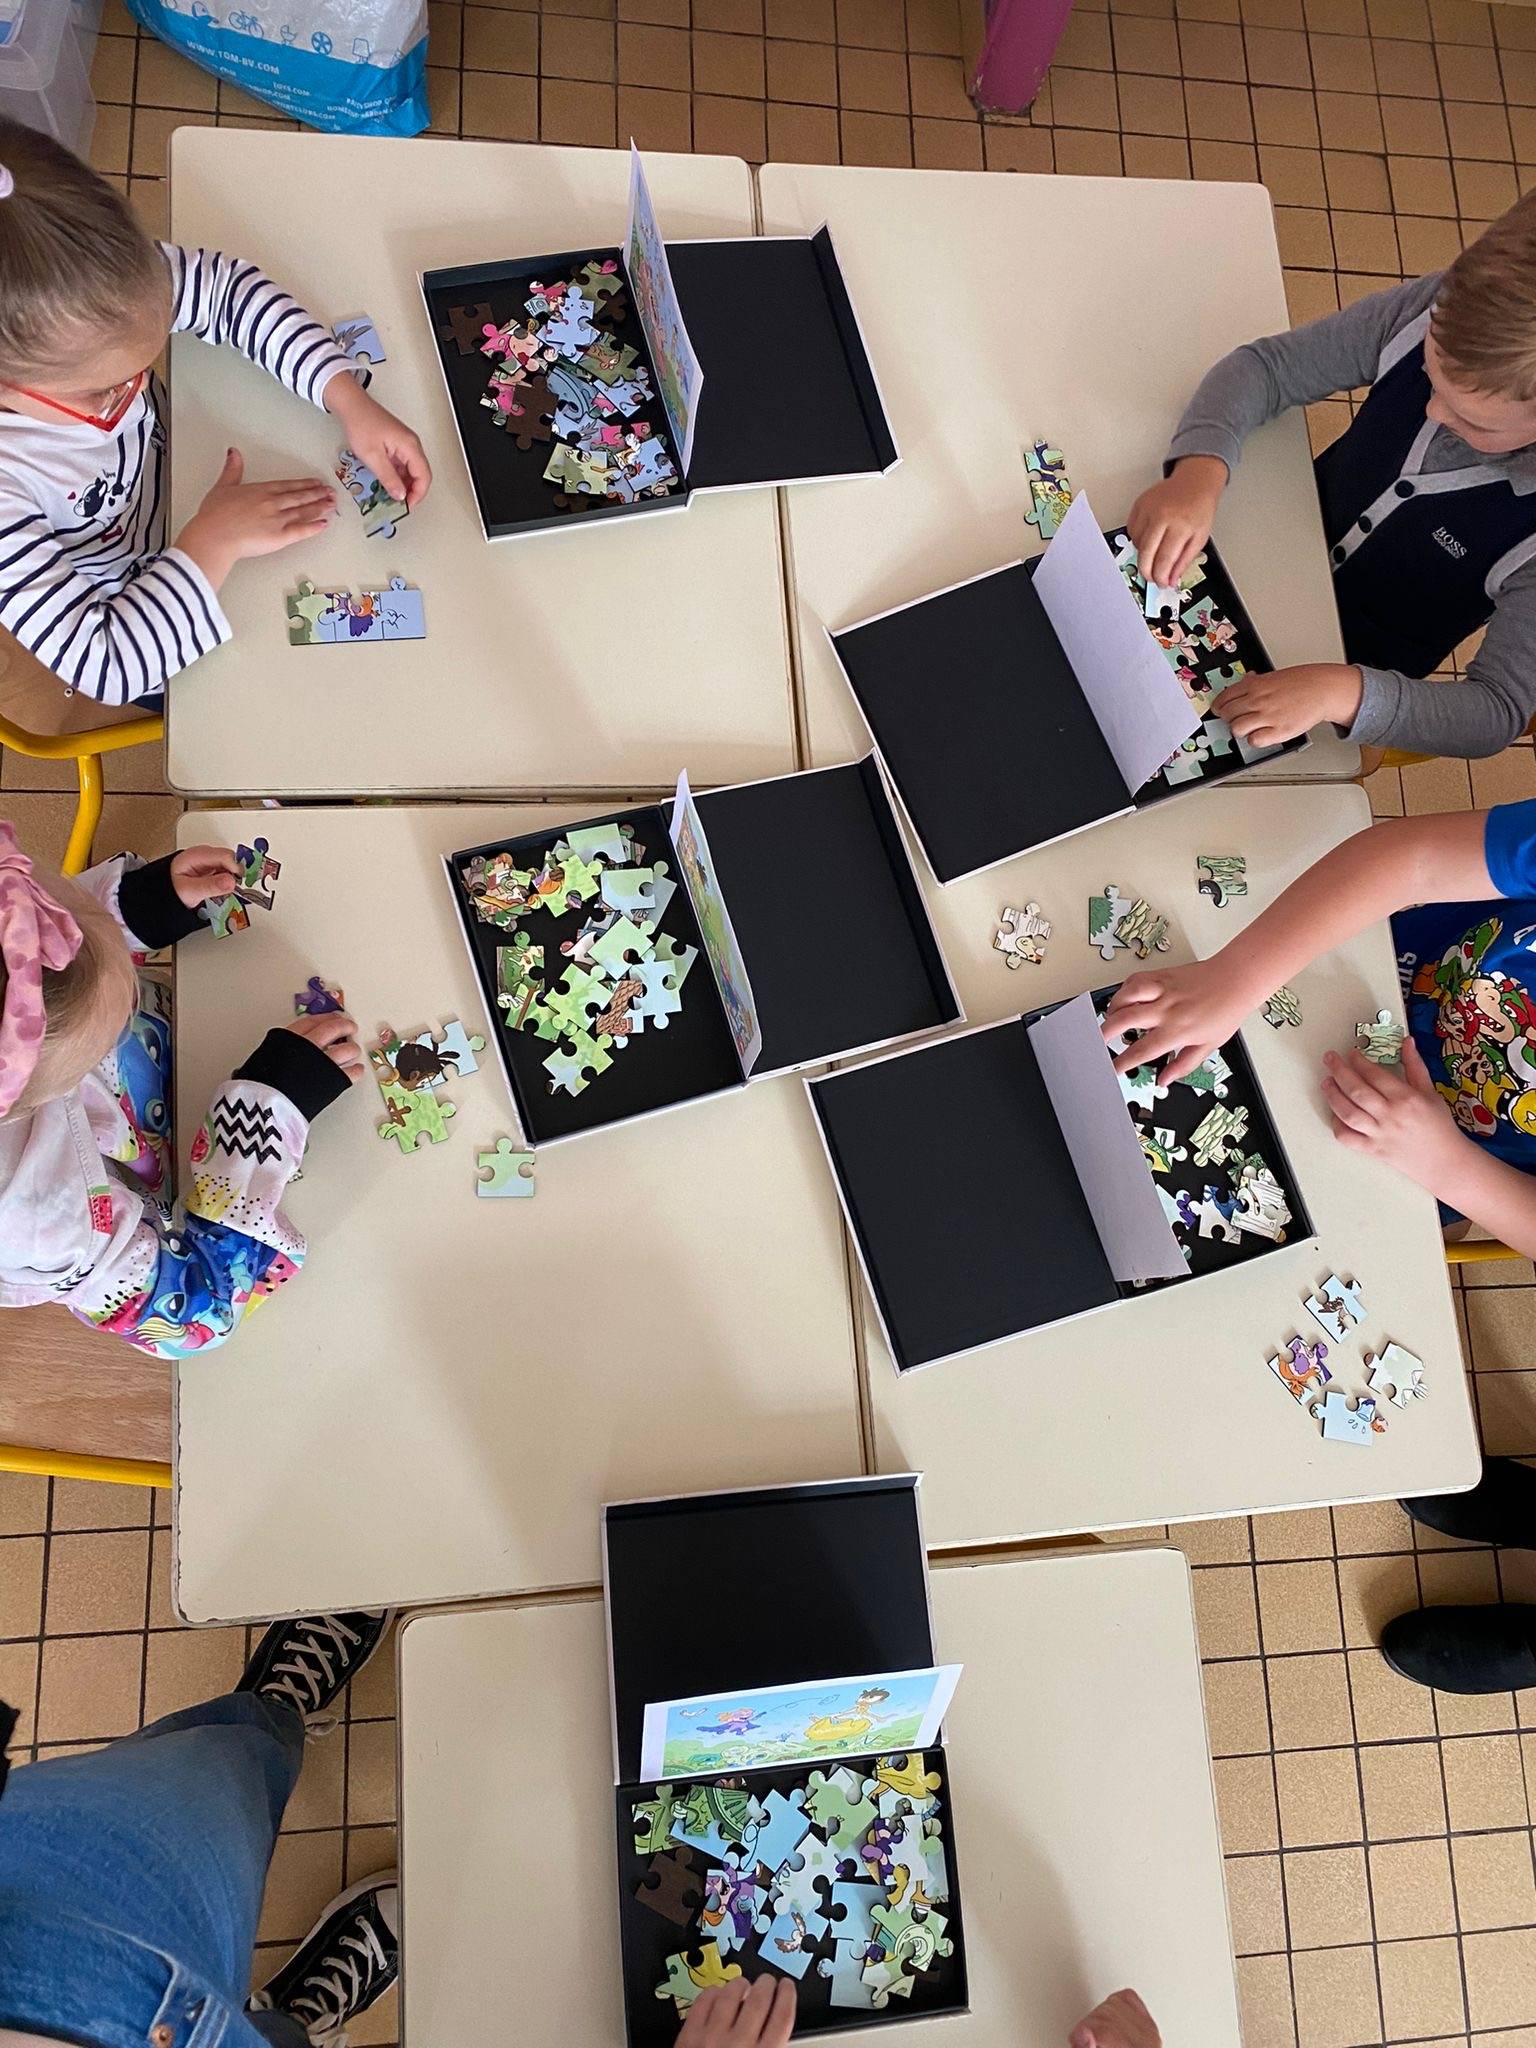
[653, 1822]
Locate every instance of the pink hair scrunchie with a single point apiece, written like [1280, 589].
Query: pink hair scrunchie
[35, 932]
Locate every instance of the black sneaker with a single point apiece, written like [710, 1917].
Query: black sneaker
[307, 1664]
[1501, 1508]
[1464, 1649]
[349, 1958]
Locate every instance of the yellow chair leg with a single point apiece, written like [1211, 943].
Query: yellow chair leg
[83, 1465]
[82, 836]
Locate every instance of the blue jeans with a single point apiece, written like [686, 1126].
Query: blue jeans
[131, 1882]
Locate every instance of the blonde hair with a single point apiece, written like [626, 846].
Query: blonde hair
[74, 996]
[1484, 319]
[73, 260]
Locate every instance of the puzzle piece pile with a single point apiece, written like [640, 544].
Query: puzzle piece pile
[618, 975]
[319, 618]
[1394, 1375]
[1193, 1137]
[835, 1879]
[1202, 645]
[563, 376]
[256, 886]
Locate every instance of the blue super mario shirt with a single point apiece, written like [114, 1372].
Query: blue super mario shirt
[1467, 971]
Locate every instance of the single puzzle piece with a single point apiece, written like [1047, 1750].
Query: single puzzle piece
[1215, 1213]
[733, 1901]
[1221, 876]
[601, 281]
[653, 1821]
[1158, 1144]
[578, 998]
[311, 616]
[913, 1935]
[1021, 935]
[788, 1940]
[673, 1886]
[400, 610]
[1050, 492]
[845, 1972]
[572, 1070]
[1343, 1424]
[685, 1980]
[622, 948]
[517, 983]
[1283, 1007]
[851, 1909]
[658, 1000]
[258, 875]
[1142, 1087]
[614, 1020]
[632, 891]
[1216, 1131]
[841, 1805]
[908, 1777]
[1382, 1041]
[1336, 1307]
[381, 510]
[716, 1817]
[504, 1173]
[226, 915]
[1262, 1207]
[678, 959]
[783, 1828]
[414, 1114]
[569, 329]
[466, 325]
[598, 843]
[316, 999]
[1142, 930]
[454, 1045]
[1300, 1367]
[1104, 914]
[358, 340]
[1396, 1375]
[1210, 1077]
[803, 1878]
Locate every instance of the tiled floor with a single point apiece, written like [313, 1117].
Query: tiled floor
[1379, 1839]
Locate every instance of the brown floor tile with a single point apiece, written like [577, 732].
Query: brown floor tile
[1372, 1590]
[1223, 1540]
[18, 1686]
[97, 1583]
[501, 108]
[1478, 131]
[21, 1586]
[1299, 1607]
[320, 1797]
[1413, 128]
[938, 89]
[1356, 181]
[1405, 67]
[1411, 1890]
[1404, 1795]
[1501, 1978]
[23, 1504]
[90, 1688]
[187, 1665]
[1500, 1319]
[803, 72]
[872, 24]
[1420, 1987]
[1298, 1533]
[1264, 2000]
[947, 145]
[1309, 1701]
[1484, 1784]
[1225, 1616]
[1256, 1903]
[1084, 99]
[1319, 1797]
[1284, 115]
[305, 1875]
[1212, 49]
[1495, 1882]
[1218, 113]
[1327, 1898]
[1506, 1406]
[1245, 1802]
[1236, 1708]
[1336, 2000]
[371, 1772]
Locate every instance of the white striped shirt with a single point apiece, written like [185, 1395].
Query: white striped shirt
[87, 583]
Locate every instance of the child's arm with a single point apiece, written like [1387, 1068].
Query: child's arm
[175, 1291]
[226, 299]
[1399, 1118]
[1171, 522]
[1186, 1012]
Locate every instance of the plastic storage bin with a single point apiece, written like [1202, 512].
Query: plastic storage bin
[45, 70]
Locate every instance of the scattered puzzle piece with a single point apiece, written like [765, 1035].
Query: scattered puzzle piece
[1396, 1375]
[1221, 876]
[1300, 1368]
[685, 1980]
[1022, 935]
[1343, 1424]
[381, 511]
[1336, 1307]
[466, 326]
[504, 1172]
[1382, 1041]
[1283, 1007]
[1218, 1129]
[316, 999]
[672, 1887]
[358, 339]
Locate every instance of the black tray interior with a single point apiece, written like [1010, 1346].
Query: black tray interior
[509, 481]
[694, 1056]
[648, 1939]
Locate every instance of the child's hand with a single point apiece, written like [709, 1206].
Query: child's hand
[1184, 1011]
[1171, 522]
[1284, 704]
[1395, 1117]
[237, 520]
[335, 1035]
[1122, 2021]
[755, 2013]
[201, 874]
[389, 448]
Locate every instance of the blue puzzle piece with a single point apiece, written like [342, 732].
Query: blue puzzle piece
[858, 1901]
[784, 1828]
[399, 608]
[846, 1974]
[358, 338]
[787, 1942]
[804, 1877]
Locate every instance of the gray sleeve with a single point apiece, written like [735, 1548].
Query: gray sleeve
[1482, 715]
[1265, 377]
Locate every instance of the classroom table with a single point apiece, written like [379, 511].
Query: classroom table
[1163, 1408]
[1084, 1827]
[1083, 311]
[438, 1405]
[589, 658]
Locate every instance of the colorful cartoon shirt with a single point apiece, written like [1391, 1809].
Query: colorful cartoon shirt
[87, 1209]
[1468, 971]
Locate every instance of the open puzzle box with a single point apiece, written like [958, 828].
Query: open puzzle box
[584, 941]
[1008, 1178]
[596, 382]
[781, 1789]
[1039, 699]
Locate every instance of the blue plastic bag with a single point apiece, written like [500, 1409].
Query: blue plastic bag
[356, 67]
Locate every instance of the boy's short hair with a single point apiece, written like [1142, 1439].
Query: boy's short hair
[73, 259]
[1484, 320]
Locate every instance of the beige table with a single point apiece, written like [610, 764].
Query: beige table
[572, 659]
[440, 1403]
[1084, 1826]
[1163, 1409]
[1081, 310]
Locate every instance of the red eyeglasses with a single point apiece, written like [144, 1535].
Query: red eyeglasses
[120, 397]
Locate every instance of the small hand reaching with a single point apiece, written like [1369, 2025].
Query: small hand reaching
[1121, 2021]
[1267, 710]
[756, 2012]
[1397, 1117]
[1183, 1012]
[334, 1034]
[202, 874]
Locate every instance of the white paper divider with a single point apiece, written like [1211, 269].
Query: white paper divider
[1112, 1169]
[1137, 699]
